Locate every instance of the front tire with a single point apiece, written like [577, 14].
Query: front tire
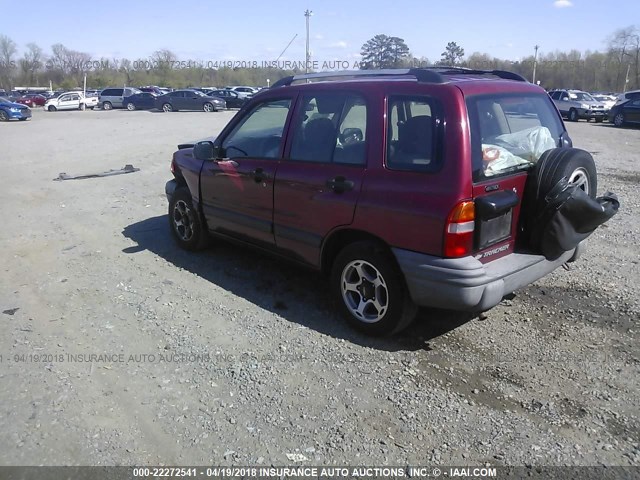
[131, 107]
[52, 108]
[3, 116]
[369, 290]
[167, 107]
[187, 227]
[107, 106]
[208, 107]
[618, 120]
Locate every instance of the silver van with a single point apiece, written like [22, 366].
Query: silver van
[113, 97]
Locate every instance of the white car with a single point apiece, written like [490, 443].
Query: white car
[70, 101]
[243, 91]
[608, 100]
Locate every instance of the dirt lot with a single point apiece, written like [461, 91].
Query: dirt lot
[134, 352]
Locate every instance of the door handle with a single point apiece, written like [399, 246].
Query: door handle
[258, 175]
[340, 184]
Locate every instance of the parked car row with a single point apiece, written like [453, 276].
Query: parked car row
[619, 109]
[187, 99]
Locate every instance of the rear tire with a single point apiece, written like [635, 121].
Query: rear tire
[573, 115]
[167, 107]
[187, 227]
[369, 290]
[131, 107]
[618, 120]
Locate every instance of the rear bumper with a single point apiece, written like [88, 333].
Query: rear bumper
[467, 284]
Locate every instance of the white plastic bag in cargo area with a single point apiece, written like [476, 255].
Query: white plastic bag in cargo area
[511, 149]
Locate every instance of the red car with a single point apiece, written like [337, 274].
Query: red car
[409, 188]
[32, 100]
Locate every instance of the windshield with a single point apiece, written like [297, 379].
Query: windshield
[581, 96]
[511, 132]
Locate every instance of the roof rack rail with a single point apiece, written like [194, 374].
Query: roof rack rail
[450, 70]
[421, 74]
[426, 75]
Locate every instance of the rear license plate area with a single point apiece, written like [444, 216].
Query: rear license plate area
[494, 215]
[494, 230]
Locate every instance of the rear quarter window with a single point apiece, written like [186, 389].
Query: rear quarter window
[511, 132]
[413, 126]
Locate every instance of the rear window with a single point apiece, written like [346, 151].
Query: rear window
[511, 132]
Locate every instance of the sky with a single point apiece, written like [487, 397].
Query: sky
[211, 31]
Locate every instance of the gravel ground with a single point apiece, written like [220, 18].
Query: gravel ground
[229, 357]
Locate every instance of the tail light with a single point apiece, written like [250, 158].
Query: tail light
[458, 233]
[173, 164]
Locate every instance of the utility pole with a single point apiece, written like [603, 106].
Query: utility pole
[307, 14]
[626, 79]
[535, 61]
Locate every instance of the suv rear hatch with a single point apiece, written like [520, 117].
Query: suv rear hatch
[509, 133]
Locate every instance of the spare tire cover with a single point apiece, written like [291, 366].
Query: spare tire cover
[559, 207]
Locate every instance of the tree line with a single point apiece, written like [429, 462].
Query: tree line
[615, 69]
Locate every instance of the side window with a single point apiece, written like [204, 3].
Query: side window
[330, 127]
[555, 95]
[411, 134]
[259, 133]
[75, 97]
[65, 98]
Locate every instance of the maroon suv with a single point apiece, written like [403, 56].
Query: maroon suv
[405, 186]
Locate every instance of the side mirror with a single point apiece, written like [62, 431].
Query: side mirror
[204, 151]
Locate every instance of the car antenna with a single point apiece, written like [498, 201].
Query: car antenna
[285, 49]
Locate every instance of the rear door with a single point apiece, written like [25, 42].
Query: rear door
[319, 180]
[509, 133]
[192, 100]
[237, 191]
[177, 100]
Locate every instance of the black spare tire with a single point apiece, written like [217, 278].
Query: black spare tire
[576, 165]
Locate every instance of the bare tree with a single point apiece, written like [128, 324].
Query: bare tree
[8, 50]
[624, 48]
[31, 63]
